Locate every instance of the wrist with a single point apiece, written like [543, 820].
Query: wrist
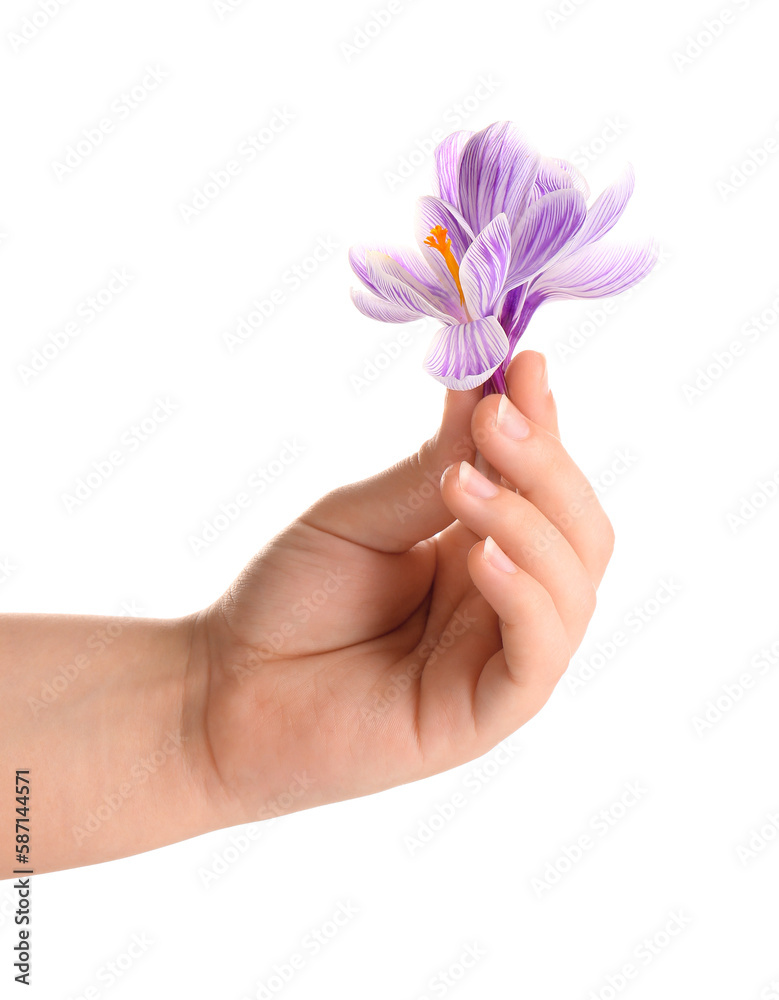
[106, 715]
[205, 705]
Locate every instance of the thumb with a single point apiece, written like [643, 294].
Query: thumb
[399, 507]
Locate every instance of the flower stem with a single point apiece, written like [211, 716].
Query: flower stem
[496, 382]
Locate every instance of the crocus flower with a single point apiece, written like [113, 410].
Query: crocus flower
[508, 230]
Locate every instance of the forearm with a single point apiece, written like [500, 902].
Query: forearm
[105, 714]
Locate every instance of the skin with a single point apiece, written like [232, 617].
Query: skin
[377, 640]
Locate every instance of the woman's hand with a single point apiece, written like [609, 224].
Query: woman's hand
[379, 638]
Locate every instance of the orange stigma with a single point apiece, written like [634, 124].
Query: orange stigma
[439, 240]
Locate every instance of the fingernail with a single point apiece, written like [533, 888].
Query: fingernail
[510, 421]
[473, 482]
[497, 557]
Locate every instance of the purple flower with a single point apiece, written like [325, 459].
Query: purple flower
[508, 230]
[456, 277]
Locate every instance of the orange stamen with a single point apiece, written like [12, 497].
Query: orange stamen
[439, 240]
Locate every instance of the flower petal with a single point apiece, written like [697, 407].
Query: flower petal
[484, 267]
[619, 267]
[516, 324]
[497, 169]
[432, 212]
[447, 160]
[545, 228]
[395, 283]
[465, 355]
[511, 310]
[549, 178]
[577, 177]
[408, 259]
[606, 210]
[435, 212]
[597, 270]
[382, 310]
[555, 173]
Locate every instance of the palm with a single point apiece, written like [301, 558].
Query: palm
[361, 649]
[327, 643]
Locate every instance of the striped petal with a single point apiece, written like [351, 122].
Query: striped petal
[465, 355]
[408, 259]
[432, 212]
[511, 311]
[447, 162]
[497, 169]
[606, 210]
[484, 267]
[545, 228]
[600, 269]
[386, 312]
[554, 173]
[578, 179]
[398, 285]
[516, 324]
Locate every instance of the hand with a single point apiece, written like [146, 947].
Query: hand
[379, 639]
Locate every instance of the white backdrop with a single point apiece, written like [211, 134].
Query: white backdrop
[633, 822]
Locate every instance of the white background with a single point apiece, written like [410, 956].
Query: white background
[602, 82]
